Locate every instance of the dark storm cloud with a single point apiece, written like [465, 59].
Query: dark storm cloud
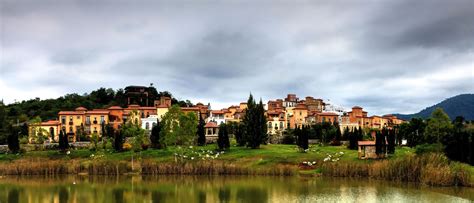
[390, 56]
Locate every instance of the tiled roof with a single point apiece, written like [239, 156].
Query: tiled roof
[366, 143]
[81, 109]
[211, 125]
[115, 108]
[70, 113]
[328, 114]
[357, 107]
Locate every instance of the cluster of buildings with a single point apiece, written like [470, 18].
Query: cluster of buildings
[289, 112]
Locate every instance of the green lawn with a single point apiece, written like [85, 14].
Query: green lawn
[267, 154]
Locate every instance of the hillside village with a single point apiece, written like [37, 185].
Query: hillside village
[282, 114]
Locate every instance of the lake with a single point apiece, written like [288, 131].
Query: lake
[186, 189]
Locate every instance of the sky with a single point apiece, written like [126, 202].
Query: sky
[386, 56]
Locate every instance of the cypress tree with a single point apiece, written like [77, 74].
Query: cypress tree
[255, 124]
[239, 134]
[345, 135]
[201, 132]
[352, 135]
[302, 136]
[223, 137]
[391, 141]
[155, 136]
[12, 140]
[118, 140]
[63, 142]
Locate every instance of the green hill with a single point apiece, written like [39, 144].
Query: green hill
[460, 105]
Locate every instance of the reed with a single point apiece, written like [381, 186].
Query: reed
[429, 169]
[212, 168]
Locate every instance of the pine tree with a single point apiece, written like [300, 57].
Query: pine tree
[223, 137]
[345, 135]
[155, 136]
[201, 132]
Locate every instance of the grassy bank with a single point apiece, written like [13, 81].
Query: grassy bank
[280, 160]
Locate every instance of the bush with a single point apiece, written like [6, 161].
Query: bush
[288, 139]
[429, 148]
[126, 146]
[24, 140]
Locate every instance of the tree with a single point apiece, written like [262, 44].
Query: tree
[416, 131]
[337, 137]
[345, 135]
[118, 140]
[155, 136]
[380, 143]
[352, 135]
[439, 126]
[302, 135]
[223, 137]
[178, 128]
[12, 140]
[255, 124]
[391, 141]
[239, 134]
[63, 141]
[201, 132]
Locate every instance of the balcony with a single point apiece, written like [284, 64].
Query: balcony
[71, 123]
[88, 122]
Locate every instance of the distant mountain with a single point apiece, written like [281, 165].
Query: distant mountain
[460, 105]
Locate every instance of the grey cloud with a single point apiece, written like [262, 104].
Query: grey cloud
[355, 53]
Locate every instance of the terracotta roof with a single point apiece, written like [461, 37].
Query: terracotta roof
[162, 106]
[357, 107]
[366, 143]
[81, 109]
[328, 114]
[211, 125]
[147, 108]
[300, 107]
[217, 112]
[49, 123]
[70, 113]
[115, 108]
[97, 111]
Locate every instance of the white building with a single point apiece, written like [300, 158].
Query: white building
[148, 123]
[216, 116]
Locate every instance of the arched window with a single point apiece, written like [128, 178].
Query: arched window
[269, 124]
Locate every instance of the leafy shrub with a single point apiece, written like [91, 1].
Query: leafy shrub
[429, 148]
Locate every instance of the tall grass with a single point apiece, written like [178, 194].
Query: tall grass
[429, 169]
[109, 167]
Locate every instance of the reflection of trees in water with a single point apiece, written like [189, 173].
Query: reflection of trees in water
[224, 195]
[201, 196]
[117, 194]
[158, 196]
[63, 195]
[251, 194]
[13, 195]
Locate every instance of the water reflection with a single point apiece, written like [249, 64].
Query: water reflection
[217, 189]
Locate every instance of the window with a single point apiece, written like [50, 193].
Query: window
[281, 124]
[88, 119]
[270, 125]
[70, 130]
[70, 118]
[147, 125]
[63, 120]
[102, 119]
[78, 117]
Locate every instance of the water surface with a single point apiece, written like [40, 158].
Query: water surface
[186, 189]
